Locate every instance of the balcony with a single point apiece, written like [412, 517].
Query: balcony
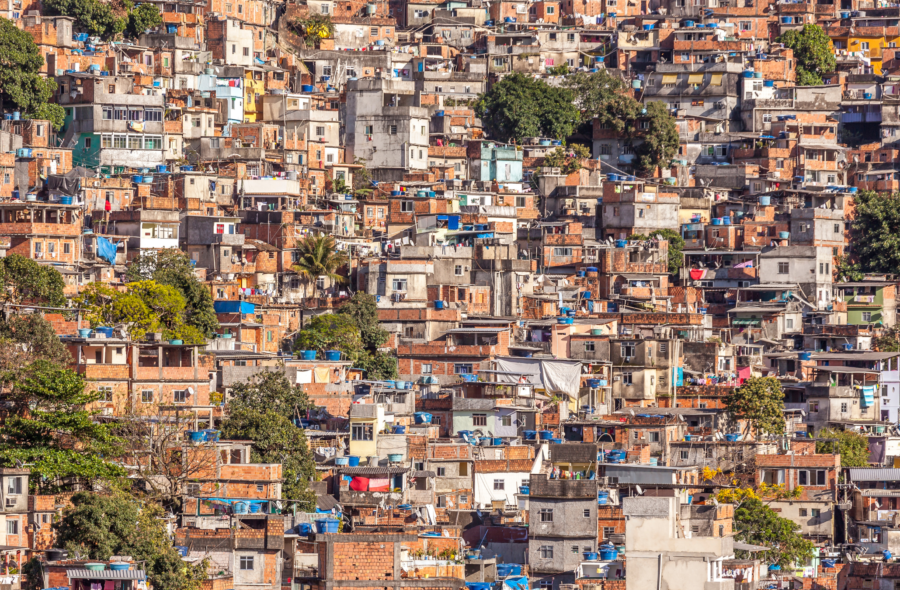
[102, 372]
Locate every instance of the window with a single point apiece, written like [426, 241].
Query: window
[789, 323]
[546, 514]
[407, 206]
[12, 527]
[767, 118]
[462, 368]
[551, 9]
[574, 549]
[14, 486]
[745, 25]
[246, 562]
[180, 396]
[361, 431]
[479, 419]
[441, 471]
[104, 391]
[783, 268]
[546, 552]
[844, 408]
[653, 437]
[628, 349]
[587, 513]
[499, 485]
[426, 368]
[399, 284]
[684, 455]
[458, 270]
[608, 531]
[562, 251]
[815, 512]
[590, 346]
[867, 316]
[392, 129]
[804, 512]
[864, 45]
[146, 396]
[506, 420]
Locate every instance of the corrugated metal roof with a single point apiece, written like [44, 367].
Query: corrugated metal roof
[83, 574]
[874, 474]
[363, 471]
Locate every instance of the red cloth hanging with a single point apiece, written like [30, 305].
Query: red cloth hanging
[359, 484]
[697, 273]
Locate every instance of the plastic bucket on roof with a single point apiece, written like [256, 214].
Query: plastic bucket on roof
[308, 355]
[732, 437]
[765, 200]
[327, 525]
[353, 461]
[529, 434]
[84, 332]
[342, 461]
[120, 566]
[438, 304]
[621, 243]
[607, 554]
[545, 434]
[241, 508]
[783, 235]
[399, 429]
[332, 355]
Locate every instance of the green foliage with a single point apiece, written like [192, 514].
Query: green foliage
[567, 159]
[262, 411]
[876, 232]
[757, 524]
[21, 84]
[26, 281]
[99, 526]
[520, 106]
[676, 246]
[813, 52]
[364, 312]
[331, 331]
[314, 28]
[852, 446]
[37, 336]
[378, 365]
[49, 429]
[604, 97]
[759, 401]
[145, 16]
[848, 270]
[319, 257]
[172, 267]
[49, 112]
[659, 142]
[560, 70]
[145, 307]
[93, 16]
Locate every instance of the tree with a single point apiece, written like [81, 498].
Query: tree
[319, 257]
[876, 232]
[21, 84]
[520, 106]
[757, 524]
[314, 28]
[145, 307]
[378, 365]
[50, 112]
[331, 331]
[658, 141]
[676, 246]
[172, 267]
[98, 527]
[48, 428]
[25, 281]
[363, 310]
[95, 17]
[261, 410]
[35, 336]
[813, 52]
[760, 402]
[567, 159]
[888, 340]
[604, 97]
[157, 456]
[847, 270]
[852, 446]
[145, 16]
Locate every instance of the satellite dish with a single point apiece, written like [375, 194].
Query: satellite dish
[680, 418]
[631, 411]
[639, 490]
[190, 391]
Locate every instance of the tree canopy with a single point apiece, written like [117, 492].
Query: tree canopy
[757, 524]
[658, 140]
[145, 16]
[331, 331]
[146, 306]
[21, 84]
[876, 232]
[26, 281]
[852, 446]
[604, 97]
[173, 268]
[100, 526]
[93, 16]
[760, 402]
[568, 159]
[813, 52]
[318, 256]
[49, 429]
[262, 410]
[520, 106]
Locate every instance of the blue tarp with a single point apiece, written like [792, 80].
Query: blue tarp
[679, 377]
[242, 307]
[519, 583]
[106, 250]
[453, 222]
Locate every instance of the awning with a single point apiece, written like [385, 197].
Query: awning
[746, 322]
[669, 78]
[715, 80]
[695, 79]
[84, 574]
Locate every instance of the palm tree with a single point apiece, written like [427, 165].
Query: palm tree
[319, 257]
